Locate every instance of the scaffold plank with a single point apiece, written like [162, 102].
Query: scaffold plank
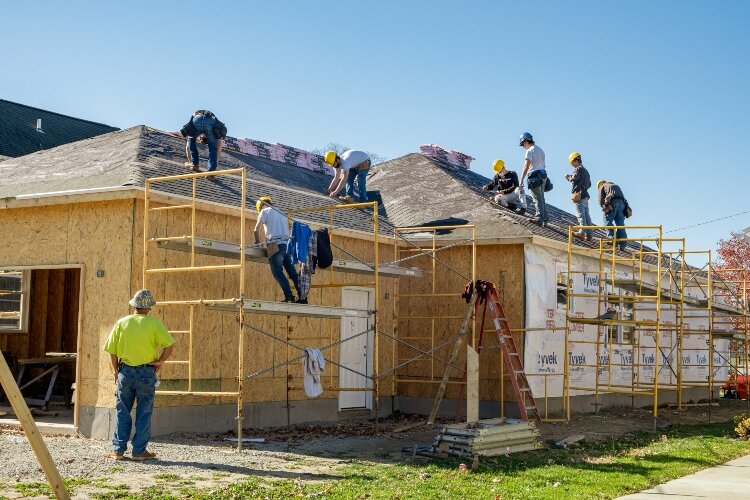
[613, 321]
[291, 309]
[257, 253]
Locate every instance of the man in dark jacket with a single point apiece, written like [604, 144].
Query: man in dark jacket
[581, 182]
[204, 128]
[613, 204]
[506, 183]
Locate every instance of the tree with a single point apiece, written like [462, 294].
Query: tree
[733, 266]
[375, 158]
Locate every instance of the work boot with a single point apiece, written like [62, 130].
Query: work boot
[579, 235]
[116, 455]
[289, 300]
[146, 455]
[301, 301]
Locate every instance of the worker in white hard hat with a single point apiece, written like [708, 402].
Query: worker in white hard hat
[349, 166]
[276, 229]
[581, 182]
[506, 183]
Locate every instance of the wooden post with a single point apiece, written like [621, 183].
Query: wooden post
[472, 384]
[32, 433]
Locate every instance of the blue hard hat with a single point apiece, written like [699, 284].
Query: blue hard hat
[526, 136]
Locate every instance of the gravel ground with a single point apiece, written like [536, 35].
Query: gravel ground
[311, 452]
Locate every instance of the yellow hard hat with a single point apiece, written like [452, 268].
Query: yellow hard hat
[330, 157]
[599, 183]
[261, 201]
[574, 155]
[498, 166]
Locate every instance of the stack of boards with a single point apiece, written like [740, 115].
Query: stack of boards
[497, 436]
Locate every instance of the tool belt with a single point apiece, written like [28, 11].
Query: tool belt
[536, 179]
[365, 165]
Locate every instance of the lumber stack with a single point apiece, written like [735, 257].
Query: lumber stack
[497, 436]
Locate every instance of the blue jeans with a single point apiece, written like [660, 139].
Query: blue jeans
[361, 177]
[537, 194]
[282, 259]
[616, 217]
[134, 384]
[584, 218]
[204, 125]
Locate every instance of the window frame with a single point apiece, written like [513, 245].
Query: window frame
[23, 326]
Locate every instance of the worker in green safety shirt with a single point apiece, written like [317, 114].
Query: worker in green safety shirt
[138, 346]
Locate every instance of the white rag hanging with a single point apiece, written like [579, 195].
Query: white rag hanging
[314, 365]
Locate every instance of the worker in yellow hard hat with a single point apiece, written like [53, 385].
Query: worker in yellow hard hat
[276, 229]
[348, 166]
[581, 182]
[506, 182]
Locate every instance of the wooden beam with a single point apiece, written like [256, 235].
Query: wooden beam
[472, 384]
[31, 431]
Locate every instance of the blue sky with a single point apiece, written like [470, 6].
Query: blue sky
[653, 94]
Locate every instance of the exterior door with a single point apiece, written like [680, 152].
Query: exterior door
[356, 353]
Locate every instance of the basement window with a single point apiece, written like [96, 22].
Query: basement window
[14, 301]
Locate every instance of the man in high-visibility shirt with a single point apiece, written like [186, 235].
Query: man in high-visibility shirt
[138, 346]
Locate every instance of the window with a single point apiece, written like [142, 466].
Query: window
[623, 309]
[561, 269]
[14, 300]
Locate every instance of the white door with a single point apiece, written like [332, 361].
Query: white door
[356, 353]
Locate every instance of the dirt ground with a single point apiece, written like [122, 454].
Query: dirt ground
[313, 452]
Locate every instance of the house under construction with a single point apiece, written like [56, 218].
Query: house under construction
[89, 223]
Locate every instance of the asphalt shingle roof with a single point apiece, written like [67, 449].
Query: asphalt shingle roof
[19, 136]
[127, 157]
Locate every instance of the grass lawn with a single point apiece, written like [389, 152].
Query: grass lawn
[595, 470]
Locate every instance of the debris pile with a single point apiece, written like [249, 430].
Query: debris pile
[497, 436]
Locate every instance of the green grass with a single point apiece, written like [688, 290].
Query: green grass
[596, 470]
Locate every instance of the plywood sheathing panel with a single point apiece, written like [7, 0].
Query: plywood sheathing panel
[97, 235]
[501, 264]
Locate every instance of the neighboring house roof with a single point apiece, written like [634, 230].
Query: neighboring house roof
[127, 157]
[19, 135]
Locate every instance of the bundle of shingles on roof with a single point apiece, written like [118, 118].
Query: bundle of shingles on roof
[449, 157]
[492, 437]
[281, 153]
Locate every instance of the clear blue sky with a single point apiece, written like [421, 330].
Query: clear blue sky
[653, 94]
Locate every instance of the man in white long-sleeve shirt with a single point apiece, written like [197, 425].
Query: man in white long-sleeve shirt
[348, 166]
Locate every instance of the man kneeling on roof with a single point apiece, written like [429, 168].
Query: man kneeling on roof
[348, 166]
[276, 229]
[506, 182]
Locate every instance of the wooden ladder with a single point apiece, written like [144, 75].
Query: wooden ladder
[513, 364]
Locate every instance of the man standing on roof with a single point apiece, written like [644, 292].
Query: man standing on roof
[138, 346]
[204, 128]
[276, 229]
[348, 166]
[615, 208]
[535, 167]
[581, 182]
[506, 182]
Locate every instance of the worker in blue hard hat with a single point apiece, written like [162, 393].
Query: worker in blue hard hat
[536, 169]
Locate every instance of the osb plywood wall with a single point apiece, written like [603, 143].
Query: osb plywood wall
[501, 264]
[215, 337]
[97, 235]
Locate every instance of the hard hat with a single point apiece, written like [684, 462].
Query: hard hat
[574, 155]
[498, 166]
[599, 183]
[330, 157]
[261, 201]
[526, 136]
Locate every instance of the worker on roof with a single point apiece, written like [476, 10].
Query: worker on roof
[349, 166]
[203, 128]
[506, 183]
[581, 182]
[138, 346]
[615, 208]
[535, 167]
[276, 229]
